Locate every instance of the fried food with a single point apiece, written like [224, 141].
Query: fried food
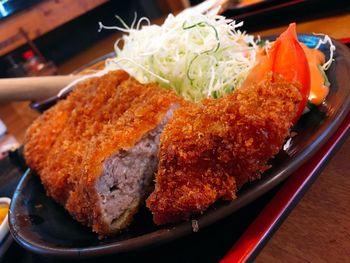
[96, 151]
[209, 150]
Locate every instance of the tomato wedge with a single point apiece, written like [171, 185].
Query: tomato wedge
[287, 58]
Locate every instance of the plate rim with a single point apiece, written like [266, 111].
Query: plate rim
[183, 228]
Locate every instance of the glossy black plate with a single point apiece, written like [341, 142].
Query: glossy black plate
[42, 226]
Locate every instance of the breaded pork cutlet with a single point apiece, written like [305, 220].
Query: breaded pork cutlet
[96, 151]
[209, 150]
[42, 134]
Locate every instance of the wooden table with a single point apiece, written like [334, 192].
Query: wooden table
[317, 230]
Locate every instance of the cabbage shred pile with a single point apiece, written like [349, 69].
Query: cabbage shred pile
[196, 55]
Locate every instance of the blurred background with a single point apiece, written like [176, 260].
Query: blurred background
[37, 37]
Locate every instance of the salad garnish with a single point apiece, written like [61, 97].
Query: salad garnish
[197, 55]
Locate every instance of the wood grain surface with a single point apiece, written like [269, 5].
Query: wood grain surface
[335, 26]
[318, 229]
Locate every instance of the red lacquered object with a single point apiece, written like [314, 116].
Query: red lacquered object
[258, 233]
[271, 217]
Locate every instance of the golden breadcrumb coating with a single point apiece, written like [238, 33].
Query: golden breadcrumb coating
[145, 112]
[41, 135]
[209, 150]
[68, 144]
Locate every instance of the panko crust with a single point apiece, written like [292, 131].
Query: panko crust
[41, 135]
[69, 143]
[209, 150]
[145, 113]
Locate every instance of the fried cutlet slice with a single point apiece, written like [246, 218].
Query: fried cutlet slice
[209, 150]
[99, 165]
[109, 98]
[127, 147]
[52, 122]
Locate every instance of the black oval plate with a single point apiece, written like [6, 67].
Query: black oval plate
[42, 226]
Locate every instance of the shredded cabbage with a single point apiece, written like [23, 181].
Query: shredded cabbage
[332, 48]
[197, 55]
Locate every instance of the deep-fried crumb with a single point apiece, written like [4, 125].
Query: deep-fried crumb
[68, 144]
[41, 135]
[211, 149]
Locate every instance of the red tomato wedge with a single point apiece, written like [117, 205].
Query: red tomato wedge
[289, 60]
[286, 58]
